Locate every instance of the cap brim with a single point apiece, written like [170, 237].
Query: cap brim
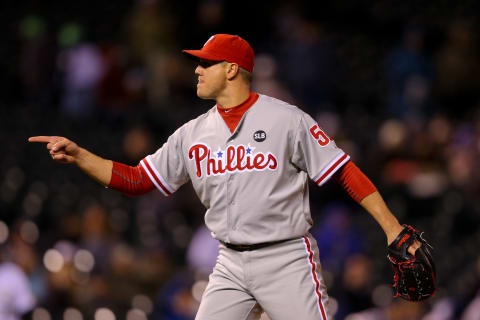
[199, 54]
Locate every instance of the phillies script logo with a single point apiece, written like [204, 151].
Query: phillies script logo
[234, 159]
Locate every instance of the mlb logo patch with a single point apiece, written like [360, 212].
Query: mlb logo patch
[259, 136]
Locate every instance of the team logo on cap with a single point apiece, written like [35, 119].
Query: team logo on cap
[259, 136]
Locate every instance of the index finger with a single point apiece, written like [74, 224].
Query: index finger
[45, 139]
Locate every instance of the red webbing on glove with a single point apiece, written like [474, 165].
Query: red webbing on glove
[131, 181]
[354, 181]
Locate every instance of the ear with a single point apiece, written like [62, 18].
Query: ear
[232, 70]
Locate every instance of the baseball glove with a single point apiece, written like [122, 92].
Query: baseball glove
[415, 277]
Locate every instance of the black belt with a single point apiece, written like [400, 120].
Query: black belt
[250, 247]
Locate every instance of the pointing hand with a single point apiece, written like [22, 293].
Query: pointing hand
[61, 149]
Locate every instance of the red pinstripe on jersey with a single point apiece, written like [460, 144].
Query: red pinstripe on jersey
[156, 178]
[330, 169]
[315, 278]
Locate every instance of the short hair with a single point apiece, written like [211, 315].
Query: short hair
[247, 76]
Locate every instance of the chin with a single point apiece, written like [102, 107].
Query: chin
[202, 95]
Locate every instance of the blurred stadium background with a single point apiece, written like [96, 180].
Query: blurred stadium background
[395, 83]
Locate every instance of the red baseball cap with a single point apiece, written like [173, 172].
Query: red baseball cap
[226, 47]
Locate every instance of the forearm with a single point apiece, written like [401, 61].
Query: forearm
[94, 166]
[376, 206]
[364, 192]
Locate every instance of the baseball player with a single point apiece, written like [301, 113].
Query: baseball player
[248, 158]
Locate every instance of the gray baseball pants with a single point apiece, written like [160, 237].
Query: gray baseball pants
[282, 279]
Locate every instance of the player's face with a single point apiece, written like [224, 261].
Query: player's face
[211, 79]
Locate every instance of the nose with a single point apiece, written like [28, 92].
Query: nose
[198, 70]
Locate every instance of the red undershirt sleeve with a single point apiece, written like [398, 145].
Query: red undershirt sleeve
[354, 181]
[131, 181]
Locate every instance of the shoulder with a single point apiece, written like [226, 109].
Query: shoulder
[279, 108]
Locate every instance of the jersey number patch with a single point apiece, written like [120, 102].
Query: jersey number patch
[319, 135]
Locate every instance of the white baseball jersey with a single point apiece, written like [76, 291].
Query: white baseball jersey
[253, 182]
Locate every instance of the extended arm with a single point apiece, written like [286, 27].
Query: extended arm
[362, 190]
[131, 181]
[65, 151]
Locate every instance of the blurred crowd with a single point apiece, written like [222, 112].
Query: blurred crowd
[396, 85]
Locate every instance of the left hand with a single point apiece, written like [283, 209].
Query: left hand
[412, 248]
[412, 262]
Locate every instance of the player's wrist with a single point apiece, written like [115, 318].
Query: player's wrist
[80, 156]
[393, 233]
